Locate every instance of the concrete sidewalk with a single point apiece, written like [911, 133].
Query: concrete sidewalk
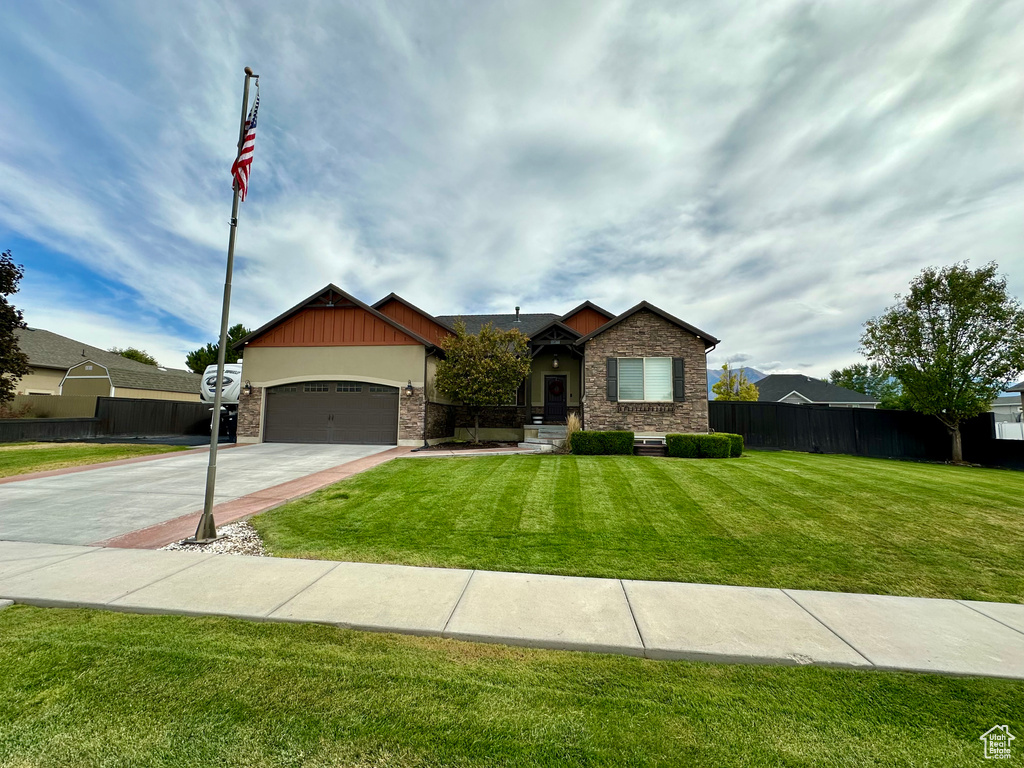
[658, 620]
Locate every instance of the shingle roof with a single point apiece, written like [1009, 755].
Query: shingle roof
[1017, 388]
[776, 386]
[528, 324]
[169, 380]
[46, 349]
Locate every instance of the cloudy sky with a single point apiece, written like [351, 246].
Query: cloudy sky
[772, 172]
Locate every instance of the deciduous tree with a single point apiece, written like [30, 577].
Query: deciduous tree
[13, 362]
[138, 355]
[871, 380]
[482, 369]
[954, 342]
[733, 385]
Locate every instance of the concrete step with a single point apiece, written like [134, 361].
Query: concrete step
[540, 447]
[543, 440]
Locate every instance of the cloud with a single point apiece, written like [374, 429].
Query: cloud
[772, 172]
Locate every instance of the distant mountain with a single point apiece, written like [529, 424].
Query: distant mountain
[753, 375]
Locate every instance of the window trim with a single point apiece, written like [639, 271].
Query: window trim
[618, 382]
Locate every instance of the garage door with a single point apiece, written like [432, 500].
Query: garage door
[332, 412]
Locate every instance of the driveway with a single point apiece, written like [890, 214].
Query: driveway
[101, 503]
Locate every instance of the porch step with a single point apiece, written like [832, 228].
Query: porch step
[552, 441]
[551, 430]
[537, 446]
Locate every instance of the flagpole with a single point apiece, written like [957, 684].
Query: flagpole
[206, 531]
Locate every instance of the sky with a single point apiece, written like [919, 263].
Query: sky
[772, 172]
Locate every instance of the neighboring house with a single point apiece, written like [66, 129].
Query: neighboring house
[1006, 408]
[1018, 388]
[62, 366]
[333, 369]
[803, 390]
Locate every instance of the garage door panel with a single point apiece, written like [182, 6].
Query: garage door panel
[342, 412]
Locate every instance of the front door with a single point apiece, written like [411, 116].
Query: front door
[554, 399]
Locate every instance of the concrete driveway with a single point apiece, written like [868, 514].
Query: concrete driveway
[91, 506]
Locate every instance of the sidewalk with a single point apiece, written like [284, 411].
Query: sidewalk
[658, 620]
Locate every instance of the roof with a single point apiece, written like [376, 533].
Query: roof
[774, 387]
[46, 349]
[707, 338]
[1016, 388]
[588, 304]
[528, 324]
[308, 301]
[1007, 400]
[395, 297]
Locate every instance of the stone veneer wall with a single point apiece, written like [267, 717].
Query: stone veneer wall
[646, 334]
[411, 415]
[249, 414]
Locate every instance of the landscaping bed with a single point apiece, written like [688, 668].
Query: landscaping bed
[466, 445]
[95, 688]
[778, 519]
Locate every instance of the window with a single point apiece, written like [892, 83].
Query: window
[647, 379]
[292, 388]
[347, 386]
[381, 388]
[315, 386]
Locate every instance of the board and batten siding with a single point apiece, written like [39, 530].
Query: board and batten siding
[330, 327]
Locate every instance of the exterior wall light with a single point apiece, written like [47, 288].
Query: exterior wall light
[408, 389]
[554, 362]
[247, 388]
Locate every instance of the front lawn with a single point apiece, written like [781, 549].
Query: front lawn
[802, 521]
[91, 688]
[21, 458]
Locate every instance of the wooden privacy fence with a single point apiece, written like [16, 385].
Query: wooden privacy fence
[858, 431]
[123, 416]
[115, 417]
[56, 406]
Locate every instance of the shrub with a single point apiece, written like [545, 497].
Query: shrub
[698, 446]
[736, 443]
[584, 443]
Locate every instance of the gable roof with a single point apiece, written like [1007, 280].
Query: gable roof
[154, 379]
[556, 324]
[395, 297]
[46, 349]
[707, 338]
[776, 386]
[587, 305]
[528, 324]
[326, 292]
[1016, 388]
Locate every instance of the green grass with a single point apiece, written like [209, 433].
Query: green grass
[90, 688]
[21, 458]
[793, 520]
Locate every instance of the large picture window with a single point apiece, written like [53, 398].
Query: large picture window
[645, 379]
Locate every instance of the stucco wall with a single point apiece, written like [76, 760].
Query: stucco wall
[393, 365]
[41, 380]
[646, 334]
[152, 394]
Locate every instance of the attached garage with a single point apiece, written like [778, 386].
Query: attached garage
[352, 412]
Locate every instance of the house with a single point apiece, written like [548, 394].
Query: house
[1006, 408]
[803, 390]
[333, 369]
[62, 366]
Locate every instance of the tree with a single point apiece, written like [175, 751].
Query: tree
[482, 369]
[954, 342]
[138, 355]
[733, 385]
[871, 380]
[13, 362]
[198, 359]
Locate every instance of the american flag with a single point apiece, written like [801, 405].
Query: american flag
[240, 169]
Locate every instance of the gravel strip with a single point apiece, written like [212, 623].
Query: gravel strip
[239, 539]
